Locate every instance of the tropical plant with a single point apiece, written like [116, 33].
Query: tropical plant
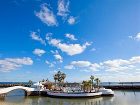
[92, 79]
[89, 85]
[55, 77]
[63, 76]
[43, 80]
[97, 82]
[86, 85]
[59, 76]
[30, 82]
[83, 85]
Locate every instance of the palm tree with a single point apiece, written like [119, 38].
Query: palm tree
[59, 76]
[43, 80]
[55, 78]
[87, 85]
[92, 79]
[83, 85]
[97, 82]
[30, 82]
[63, 76]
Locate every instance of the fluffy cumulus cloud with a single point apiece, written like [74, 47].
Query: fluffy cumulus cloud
[36, 37]
[39, 52]
[46, 15]
[69, 67]
[71, 20]
[94, 67]
[116, 65]
[70, 36]
[135, 59]
[81, 63]
[86, 65]
[70, 49]
[63, 8]
[120, 64]
[58, 57]
[136, 37]
[10, 64]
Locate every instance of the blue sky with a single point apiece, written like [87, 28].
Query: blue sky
[78, 37]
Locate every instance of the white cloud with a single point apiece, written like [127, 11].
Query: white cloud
[58, 57]
[10, 64]
[70, 36]
[46, 15]
[54, 42]
[93, 49]
[36, 37]
[85, 65]
[53, 72]
[81, 63]
[137, 37]
[69, 67]
[131, 37]
[94, 67]
[116, 65]
[39, 52]
[48, 35]
[70, 49]
[54, 52]
[50, 64]
[120, 64]
[135, 59]
[71, 20]
[47, 62]
[63, 8]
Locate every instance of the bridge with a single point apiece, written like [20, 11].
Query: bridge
[28, 91]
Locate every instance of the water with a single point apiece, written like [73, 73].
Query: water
[102, 83]
[16, 97]
[120, 83]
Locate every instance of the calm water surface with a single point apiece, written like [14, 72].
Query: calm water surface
[121, 98]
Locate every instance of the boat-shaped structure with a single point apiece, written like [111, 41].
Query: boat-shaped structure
[106, 92]
[101, 92]
[73, 95]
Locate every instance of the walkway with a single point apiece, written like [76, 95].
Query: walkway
[27, 89]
